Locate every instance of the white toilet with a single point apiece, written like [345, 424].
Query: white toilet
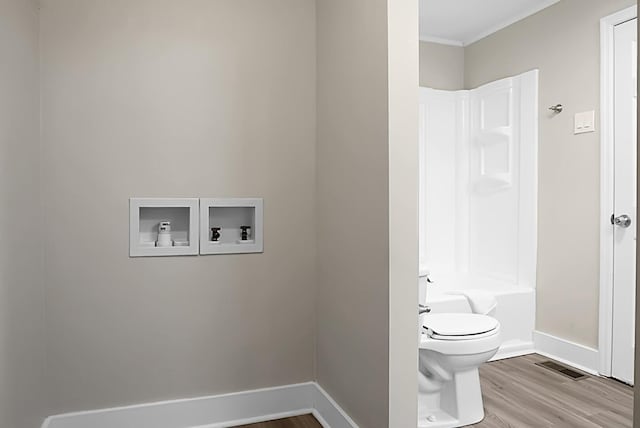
[452, 347]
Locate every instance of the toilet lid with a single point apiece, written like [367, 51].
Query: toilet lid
[459, 324]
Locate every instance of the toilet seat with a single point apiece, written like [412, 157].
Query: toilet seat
[459, 326]
[464, 337]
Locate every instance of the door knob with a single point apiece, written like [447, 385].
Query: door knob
[621, 221]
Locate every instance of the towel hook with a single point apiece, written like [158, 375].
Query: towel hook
[556, 108]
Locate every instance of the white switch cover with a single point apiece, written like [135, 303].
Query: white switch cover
[585, 122]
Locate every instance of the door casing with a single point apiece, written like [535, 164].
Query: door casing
[607, 25]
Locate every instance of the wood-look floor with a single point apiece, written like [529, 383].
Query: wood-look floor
[519, 394]
[304, 421]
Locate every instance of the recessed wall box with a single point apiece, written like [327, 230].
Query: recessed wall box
[236, 222]
[148, 217]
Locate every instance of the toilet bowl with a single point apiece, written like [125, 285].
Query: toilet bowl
[452, 347]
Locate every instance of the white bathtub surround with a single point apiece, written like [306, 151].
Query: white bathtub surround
[478, 218]
[216, 411]
[481, 301]
[479, 180]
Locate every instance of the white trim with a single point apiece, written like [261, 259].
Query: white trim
[328, 412]
[573, 354]
[441, 41]
[607, 25]
[218, 411]
[541, 4]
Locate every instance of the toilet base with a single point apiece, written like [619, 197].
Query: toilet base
[458, 402]
[440, 420]
[444, 420]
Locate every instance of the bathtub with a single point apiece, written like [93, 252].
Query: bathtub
[515, 310]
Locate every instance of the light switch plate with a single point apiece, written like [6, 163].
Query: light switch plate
[585, 122]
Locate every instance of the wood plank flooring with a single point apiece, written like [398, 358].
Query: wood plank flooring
[304, 421]
[519, 394]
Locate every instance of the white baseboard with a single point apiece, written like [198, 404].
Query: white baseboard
[573, 354]
[328, 412]
[228, 410]
[218, 411]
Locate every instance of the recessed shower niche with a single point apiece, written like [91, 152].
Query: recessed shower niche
[231, 225]
[163, 227]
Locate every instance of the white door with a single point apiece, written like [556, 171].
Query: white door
[624, 218]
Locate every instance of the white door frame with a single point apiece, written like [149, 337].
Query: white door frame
[607, 25]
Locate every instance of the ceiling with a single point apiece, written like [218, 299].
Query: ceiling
[462, 22]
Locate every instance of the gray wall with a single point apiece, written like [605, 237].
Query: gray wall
[353, 207]
[21, 262]
[176, 98]
[563, 42]
[441, 66]
[201, 98]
